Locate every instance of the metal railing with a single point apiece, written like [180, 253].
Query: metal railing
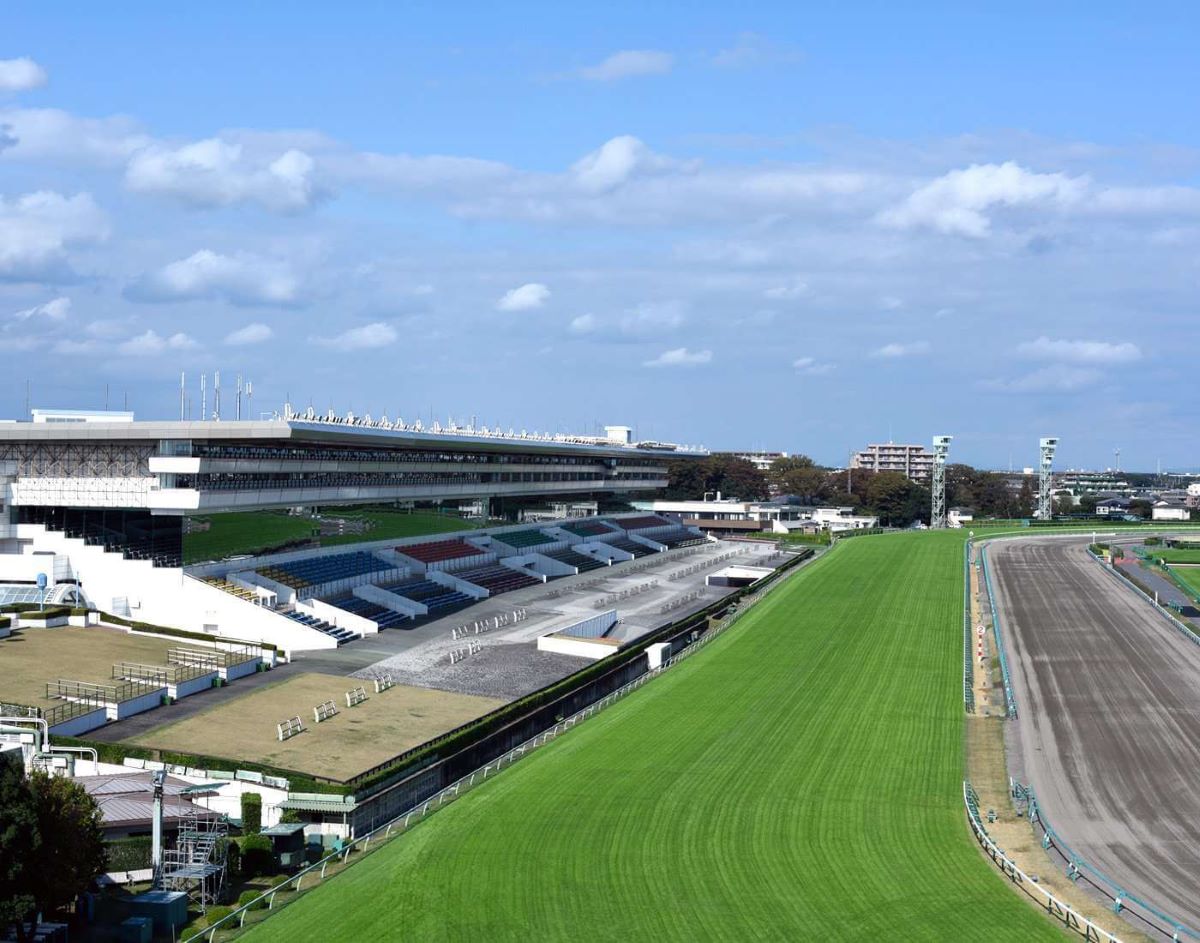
[968, 655]
[1063, 912]
[236, 919]
[1184, 630]
[1079, 869]
[1010, 699]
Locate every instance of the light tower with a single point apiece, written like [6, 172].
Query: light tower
[941, 449]
[1048, 445]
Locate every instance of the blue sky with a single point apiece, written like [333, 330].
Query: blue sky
[792, 227]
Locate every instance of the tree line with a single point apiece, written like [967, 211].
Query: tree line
[892, 496]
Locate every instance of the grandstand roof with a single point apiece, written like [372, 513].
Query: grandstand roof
[358, 432]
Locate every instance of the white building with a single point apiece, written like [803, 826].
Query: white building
[1169, 511]
[753, 516]
[760, 460]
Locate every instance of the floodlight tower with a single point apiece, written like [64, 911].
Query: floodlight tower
[1048, 445]
[941, 450]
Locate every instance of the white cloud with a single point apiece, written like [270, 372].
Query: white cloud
[787, 291]
[216, 172]
[152, 343]
[584, 324]
[652, 318]
[680, 357]
[377, 334]
[525, 298]
[19, 75]
[250, 334]
[752, 49]
[54, 310]
[37, 229]
[810, 366]
[1052, 379]
[958, 202]
[49, 134]
[241, 279]
[619, 159]
[896, 350]
[627, 63]
[1080, 351]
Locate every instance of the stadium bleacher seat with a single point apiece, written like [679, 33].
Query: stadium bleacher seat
[581, 561]
[340, 635]
[438, 599]
[436, 551]
[679, 537]
[641, 523]
[231, 588]
[497, 579]
[382, 616]
[587, 528]
[521, 539]
[630, 546]
[315, 571]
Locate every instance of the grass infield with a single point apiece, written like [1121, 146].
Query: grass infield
[357, 739]
[800, 778]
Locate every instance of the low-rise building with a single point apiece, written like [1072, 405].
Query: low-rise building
[1170, 511]
[726, 516]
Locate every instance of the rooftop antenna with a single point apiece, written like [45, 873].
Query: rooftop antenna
[203, 397]
[238, 401]
[249, 399]
[182, 395]
[941, 449]
[217, 395]
[1047, 446]
[1117, 460]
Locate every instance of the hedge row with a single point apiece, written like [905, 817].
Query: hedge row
[180, 633]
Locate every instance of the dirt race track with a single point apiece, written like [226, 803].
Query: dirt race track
[1108, 699]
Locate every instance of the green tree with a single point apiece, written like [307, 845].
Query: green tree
[799, 475]
[1026, 499]
[61, 853]
[897, 500]
[18, 838]
[251, 813]
[689, 479]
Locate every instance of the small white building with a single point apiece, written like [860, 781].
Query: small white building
[1169, 511]
[957, 517]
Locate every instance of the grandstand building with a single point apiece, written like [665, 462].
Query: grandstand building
[102, 506]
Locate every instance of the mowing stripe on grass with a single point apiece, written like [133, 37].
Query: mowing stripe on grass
[800, 778]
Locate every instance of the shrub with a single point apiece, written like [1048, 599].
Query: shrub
[257, 856]
[128, 854]
[233, 859]
[247, 896]
[53, 612]
[216, 914]
[251, 813]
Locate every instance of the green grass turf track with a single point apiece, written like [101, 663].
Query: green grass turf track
[1171, 555]
[1189, 576]
[798, 779]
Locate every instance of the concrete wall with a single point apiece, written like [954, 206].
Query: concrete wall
[583, 648]
[77, 726]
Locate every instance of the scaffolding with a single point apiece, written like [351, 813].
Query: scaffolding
[197, 862]
[941, 451]
[1045, 509]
